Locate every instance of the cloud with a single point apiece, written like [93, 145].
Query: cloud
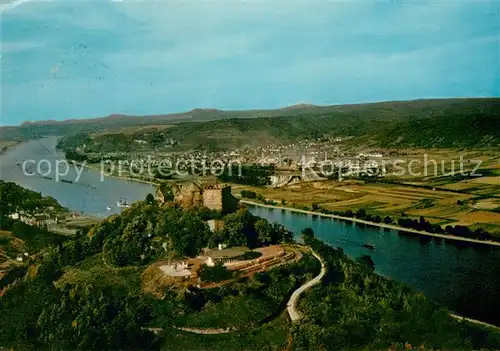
[155, 57]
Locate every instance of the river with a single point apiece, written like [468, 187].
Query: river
[463, 277]
[89, 194]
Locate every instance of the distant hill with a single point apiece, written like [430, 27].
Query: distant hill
[436, 122]
[460, 125]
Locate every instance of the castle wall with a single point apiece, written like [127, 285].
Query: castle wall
[215, 197]
[212, 199]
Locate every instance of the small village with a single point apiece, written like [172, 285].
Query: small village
[306, 159]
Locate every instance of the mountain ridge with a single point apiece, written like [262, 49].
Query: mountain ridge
[422, 122]
[300, 106]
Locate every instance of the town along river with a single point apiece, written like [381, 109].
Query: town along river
[463, 277]
[89, 194]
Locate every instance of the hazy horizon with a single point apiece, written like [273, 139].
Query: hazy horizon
[71, 60]
[82, 118]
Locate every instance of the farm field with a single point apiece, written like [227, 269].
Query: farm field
[437, 191]
[438, 206]
[439, 164]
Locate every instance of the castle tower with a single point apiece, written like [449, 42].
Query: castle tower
[219, 197]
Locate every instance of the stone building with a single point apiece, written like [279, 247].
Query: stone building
[215, 197]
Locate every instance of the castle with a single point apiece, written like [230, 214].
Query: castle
[213, 196]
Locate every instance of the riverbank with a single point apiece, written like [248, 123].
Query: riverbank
[380, 225]
[475, 321]
[440, 201]
[6, 146]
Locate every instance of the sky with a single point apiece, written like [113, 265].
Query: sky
[80, 59]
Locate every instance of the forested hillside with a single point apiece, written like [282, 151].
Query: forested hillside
[88, 293]
[422, 123]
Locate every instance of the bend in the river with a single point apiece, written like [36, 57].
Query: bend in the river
[461, 276]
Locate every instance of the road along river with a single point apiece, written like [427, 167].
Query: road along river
[461, 276]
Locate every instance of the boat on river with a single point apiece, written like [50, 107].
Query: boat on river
[122, 203]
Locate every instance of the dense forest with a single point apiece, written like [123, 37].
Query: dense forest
[146, 232]
[23, 237]
[87, 292]
[354, 308]
[15, 199]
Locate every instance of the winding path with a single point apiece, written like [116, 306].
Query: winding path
[295, 315]
[292, 303]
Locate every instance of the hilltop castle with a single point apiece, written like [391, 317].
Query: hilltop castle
[213, 196]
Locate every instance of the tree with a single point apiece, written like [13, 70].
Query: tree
[150, 199]
[248, 194]
[88, 318]
[239, 229]
[263, 230]
[214, 274]
[436, 228]
[388, 220]
[307, 235]
[367, 261]
[361, 213]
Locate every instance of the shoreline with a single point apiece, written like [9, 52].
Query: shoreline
[380, 225]
[11, 147]
[474, 321]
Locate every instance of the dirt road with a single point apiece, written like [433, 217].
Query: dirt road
[292, 303]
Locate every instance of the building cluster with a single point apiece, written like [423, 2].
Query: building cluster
[30, 220]
[311, 154]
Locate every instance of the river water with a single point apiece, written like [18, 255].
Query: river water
[463, 277]
[89, 194]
